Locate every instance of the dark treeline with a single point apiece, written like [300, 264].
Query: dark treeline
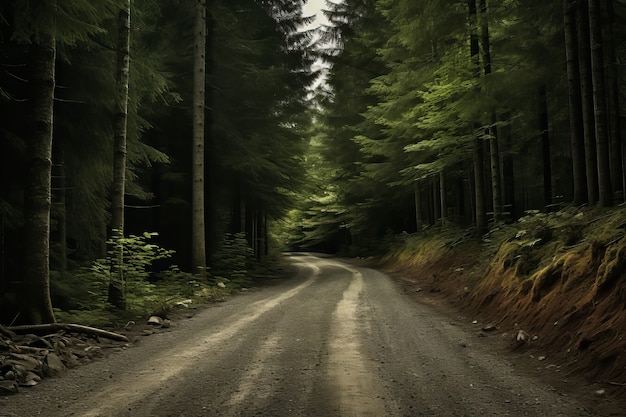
[464, 112]
[96, 131]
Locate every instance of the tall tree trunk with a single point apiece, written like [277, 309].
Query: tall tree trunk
[437, 214]
[37, 306]
[586, 90]
[494, 151]
[615, 128]
[442, 197]
[418, 207]
[199, 85]
[479, 169]
[459, 200]
[237, 220]
[261, 248]
[600, 108]
[117, 284]
[59, 203]
[508, 176]
[575, 103]
[545, 146]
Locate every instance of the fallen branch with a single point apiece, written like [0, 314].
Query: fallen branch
[78, 328]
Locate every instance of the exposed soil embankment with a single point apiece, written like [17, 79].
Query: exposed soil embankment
[560, 277]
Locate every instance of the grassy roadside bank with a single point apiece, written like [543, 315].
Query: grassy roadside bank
[558, 277]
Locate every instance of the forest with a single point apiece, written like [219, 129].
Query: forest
[151, 144]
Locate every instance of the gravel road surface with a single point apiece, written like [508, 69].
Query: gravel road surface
[334, 340]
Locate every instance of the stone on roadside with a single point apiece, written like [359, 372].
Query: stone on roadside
[53, 365]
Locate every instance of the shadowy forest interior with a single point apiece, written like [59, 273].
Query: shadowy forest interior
[150, 144]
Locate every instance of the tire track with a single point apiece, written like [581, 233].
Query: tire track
[355, 384]
[110, 400]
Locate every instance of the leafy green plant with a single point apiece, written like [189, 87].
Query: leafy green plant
[128, 262]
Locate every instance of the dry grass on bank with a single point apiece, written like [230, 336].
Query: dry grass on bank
[559, 276]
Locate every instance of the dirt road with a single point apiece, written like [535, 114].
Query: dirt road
[335, 340]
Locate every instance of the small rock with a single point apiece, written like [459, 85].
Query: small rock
[28, 362]
[53, 365]
[522, 336]
[541, 358]
[29, 379]
[183, 304]
[155, 321]
[600, 392]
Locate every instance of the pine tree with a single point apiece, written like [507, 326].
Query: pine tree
[199, 80]
[117, 282]
[599, 102]
[575, 103]
[37, 199]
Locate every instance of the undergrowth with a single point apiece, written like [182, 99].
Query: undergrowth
[81, 296]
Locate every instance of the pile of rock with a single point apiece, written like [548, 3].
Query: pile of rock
[27, 358]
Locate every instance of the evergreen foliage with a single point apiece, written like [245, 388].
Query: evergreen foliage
[257, 80]
[408, 102]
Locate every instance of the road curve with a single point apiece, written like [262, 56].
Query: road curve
[334, 340]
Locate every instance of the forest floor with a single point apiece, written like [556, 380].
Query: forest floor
[550, 286]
